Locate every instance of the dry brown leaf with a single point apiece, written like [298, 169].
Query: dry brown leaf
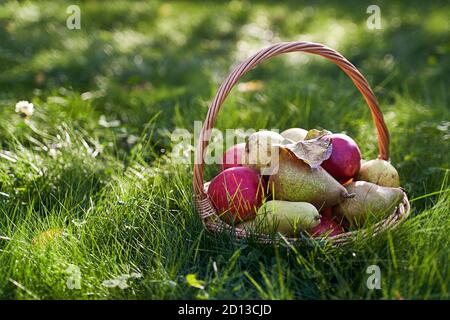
[314, 133]
[312, 151]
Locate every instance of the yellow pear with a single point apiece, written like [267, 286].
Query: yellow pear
[370, 202]
[262, 147]
[380, 172]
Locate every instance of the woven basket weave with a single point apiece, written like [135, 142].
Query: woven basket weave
[204, 207]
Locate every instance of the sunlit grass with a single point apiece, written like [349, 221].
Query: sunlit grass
[86, 183]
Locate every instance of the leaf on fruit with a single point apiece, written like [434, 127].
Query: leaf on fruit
[192, 280]
[314, 133]
[312, 151]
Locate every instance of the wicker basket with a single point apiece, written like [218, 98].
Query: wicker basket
[203, 204]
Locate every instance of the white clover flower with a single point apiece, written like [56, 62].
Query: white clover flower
[24, 108]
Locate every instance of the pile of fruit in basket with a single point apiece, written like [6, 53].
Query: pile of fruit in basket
[311, 182]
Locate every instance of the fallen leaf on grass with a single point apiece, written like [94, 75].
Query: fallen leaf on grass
[46, 237]
[194, 282]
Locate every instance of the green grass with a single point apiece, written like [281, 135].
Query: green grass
[121, 206]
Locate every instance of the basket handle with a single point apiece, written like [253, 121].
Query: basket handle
[261, 56]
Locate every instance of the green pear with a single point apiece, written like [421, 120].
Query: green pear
[295, 134]
[371, 201]
[380, 172]
[286, 217]
[294, 180]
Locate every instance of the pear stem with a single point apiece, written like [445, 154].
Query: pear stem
[348, 195]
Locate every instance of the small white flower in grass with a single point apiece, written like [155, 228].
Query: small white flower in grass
[24, 108]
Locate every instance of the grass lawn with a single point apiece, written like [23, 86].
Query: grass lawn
[89, 190]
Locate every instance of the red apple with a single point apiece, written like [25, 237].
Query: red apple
[328, 226]
[233, 157]
[237, 193]
[345, 159]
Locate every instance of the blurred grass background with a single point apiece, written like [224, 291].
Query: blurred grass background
[89, 175]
